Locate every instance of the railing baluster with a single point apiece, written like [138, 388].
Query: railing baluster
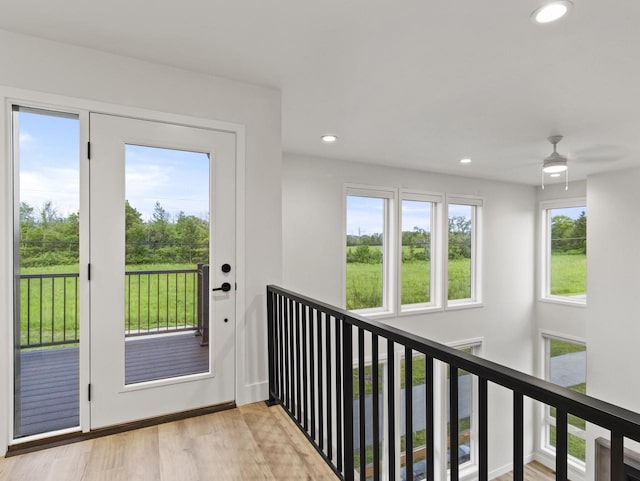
[149, 302]
[391, 403]
[518, 437]
[298, 364]
[320, 382]
[53, 309]
[329, 403]
[288, 352]
[41, 303]
[347, 400]
[76, 304]
[64, 309]
[362, 415]
[408, 413]
[429, 419]
[139, 303]
[453, 423]
[280, 367]
[561, 444]
[375, 407]
[28, 312]
[305, 380]
[339, 431]
[617, 456]
[312, 372]
[483, 431]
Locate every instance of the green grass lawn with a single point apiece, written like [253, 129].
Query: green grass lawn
[568, 274]
[364, 280]
[49, 308]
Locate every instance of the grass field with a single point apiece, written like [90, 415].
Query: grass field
[568, 274]
[49, 307]
[364, 280]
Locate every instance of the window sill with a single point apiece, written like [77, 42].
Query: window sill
[565, 301]
[455, 306]
[373, 314]
[420, 310]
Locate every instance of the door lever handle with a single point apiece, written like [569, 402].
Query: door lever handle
[225, 287]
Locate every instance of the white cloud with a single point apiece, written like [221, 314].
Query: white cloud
[61, 186]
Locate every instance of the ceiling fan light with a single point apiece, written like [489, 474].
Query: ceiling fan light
[554, 167]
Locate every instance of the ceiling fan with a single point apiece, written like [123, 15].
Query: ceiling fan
[556, 163]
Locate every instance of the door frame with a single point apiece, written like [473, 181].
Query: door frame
[82, 107]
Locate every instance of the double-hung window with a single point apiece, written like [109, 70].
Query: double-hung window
[463, 242]
[564, 252]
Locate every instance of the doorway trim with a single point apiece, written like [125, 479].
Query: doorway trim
[82, 107]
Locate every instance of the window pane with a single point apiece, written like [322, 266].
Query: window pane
[460, 251]
[416, 252]
[568, 263]
[365, 252]
[418, 418]
[568, 368]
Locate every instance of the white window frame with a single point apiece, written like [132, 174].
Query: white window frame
[545, 250]
[389, 243]
[476, 249]
[435, 273]
[545, 410]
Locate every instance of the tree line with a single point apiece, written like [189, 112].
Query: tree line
[48, 238]
[416, 244]
[569, 236]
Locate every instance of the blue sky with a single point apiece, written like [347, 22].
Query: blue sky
[49, 160]
[572, 212]
[365, 215]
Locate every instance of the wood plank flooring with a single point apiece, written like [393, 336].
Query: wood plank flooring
[533, 471]
[48, 391]
[252, 442]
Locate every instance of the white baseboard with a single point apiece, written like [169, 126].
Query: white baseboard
[549, 460]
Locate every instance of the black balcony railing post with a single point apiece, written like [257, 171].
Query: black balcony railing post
[199, 298]
[308, 336]
[205, 305]
[347, 400]
[270, 348]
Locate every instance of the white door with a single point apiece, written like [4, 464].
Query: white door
[162, 199]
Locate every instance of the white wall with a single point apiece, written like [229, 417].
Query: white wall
[613, 329]
[313, 265]
[39, 65]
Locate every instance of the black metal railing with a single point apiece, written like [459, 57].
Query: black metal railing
[325, 361]
[156, 301]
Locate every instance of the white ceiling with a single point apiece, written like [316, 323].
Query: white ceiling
[417, 84]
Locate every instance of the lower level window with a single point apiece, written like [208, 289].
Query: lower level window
[566, 362]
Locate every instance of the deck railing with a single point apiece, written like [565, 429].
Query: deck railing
[323, 361]
[156, 301]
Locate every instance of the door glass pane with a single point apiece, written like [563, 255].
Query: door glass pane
[167, 255]
[465, 414]
[46, 248]
[418, 417]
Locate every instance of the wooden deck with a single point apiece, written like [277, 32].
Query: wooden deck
[49, 396]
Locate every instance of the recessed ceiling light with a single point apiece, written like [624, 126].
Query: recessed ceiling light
[466, 160]
[551, 11]
[329, 138]
[557, 174]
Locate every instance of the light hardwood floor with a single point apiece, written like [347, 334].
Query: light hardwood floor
[252, 442]
[533, 471]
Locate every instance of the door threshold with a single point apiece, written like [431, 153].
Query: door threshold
[62, 439]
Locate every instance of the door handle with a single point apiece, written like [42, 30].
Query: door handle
[225, 287]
